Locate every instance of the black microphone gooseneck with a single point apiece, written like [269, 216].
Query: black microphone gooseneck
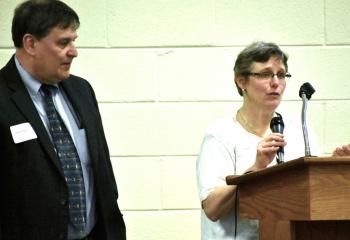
[277, 126]
[305, 92]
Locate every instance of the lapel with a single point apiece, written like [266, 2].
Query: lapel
[80, 99]
[22, 100]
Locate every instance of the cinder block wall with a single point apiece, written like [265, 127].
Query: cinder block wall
[162, 71]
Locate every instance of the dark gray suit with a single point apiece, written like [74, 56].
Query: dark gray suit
[33, 190]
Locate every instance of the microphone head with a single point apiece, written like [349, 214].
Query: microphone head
[307, 89]
[277, 124]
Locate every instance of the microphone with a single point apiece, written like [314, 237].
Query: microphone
[305, 92]
[277, 126]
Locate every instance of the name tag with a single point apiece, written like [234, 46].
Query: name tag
[22, 132]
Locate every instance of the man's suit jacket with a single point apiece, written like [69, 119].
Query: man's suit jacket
[33, 190]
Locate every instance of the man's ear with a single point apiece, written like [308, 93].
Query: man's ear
[29, 44]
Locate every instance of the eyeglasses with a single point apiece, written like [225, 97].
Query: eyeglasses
[269, 75]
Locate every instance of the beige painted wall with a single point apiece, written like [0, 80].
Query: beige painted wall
[162, 71]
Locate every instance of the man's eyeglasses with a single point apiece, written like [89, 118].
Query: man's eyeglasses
[269, 75]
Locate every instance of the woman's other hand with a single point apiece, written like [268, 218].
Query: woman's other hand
[342, 151]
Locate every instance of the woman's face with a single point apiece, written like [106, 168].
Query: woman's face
[265, 85]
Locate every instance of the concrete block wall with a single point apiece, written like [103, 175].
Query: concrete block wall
[162, 72]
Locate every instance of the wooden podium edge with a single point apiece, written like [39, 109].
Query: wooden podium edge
[241, 179]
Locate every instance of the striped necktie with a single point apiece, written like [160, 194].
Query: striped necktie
[70, 162]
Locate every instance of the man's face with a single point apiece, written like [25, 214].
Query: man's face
[54, 55]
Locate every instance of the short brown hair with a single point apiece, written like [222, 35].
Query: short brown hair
[256, 52]
[39, 17]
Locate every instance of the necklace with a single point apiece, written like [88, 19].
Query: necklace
[246, 125]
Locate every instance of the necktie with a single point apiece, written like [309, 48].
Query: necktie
[70, 162]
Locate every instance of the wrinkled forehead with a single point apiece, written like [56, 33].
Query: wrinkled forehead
[59, 32]
[275, 63]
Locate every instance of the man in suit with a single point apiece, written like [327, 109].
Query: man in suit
[38, 196]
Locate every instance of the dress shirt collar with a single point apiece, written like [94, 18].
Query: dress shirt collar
[33, 85]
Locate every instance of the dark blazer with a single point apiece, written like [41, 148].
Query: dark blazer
[33, 190]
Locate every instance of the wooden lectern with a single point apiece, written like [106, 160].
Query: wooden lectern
[307, 198]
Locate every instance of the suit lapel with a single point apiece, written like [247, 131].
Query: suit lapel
[24, 103]
[79, 101]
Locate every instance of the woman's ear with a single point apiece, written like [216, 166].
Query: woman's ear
[241, 82]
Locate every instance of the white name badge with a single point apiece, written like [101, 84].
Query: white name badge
[22, 132]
